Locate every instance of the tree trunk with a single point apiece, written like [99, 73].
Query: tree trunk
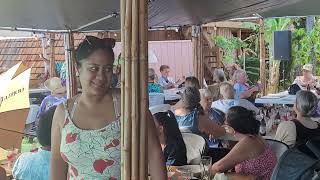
[274, 75]
[309, 26]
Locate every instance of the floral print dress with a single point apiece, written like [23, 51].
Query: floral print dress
[91, 154]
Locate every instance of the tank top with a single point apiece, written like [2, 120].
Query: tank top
[303, 133]
[261, 166]
[91, 154]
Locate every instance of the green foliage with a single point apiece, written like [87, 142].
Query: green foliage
[252, 68]
[249, 46]
[228, 45]
[304, 43]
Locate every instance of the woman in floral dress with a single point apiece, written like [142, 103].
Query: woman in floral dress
[86, 129]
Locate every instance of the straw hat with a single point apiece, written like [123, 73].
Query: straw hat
[55, 86]
[308, 67]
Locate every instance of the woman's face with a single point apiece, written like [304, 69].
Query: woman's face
[95, 73]
[160, 132]
[242, 78]
[206, 103]
[307, 74]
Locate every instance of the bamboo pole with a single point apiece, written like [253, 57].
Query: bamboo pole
[201, 58]
[144, 98]
[123, 70]
[263, 78]
[52, 63]
[197, 53]
[128, 95]
[135, 92]
[70, 64]
[134, 89]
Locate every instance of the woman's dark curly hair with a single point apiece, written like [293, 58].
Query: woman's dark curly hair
[243, 120]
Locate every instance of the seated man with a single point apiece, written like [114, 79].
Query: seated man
[35, 165]
[227, 100]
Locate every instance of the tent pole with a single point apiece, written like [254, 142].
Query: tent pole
[52, 69]
[263, 78]
[197, 53]
[70, 64]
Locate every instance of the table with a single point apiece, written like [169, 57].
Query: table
[279, 98]
[171, 94]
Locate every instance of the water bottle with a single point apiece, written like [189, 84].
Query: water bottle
[263, 127]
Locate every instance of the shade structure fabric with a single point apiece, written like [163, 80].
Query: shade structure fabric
[14, 105]
[91, 15]
[294, 8]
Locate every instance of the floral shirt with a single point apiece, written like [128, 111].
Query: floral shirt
[91, 154]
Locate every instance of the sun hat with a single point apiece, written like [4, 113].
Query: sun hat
[54, 85]
[308, 67]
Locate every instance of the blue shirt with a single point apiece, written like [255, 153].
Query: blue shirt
[175, 154]
[32, 166]
[164, 81]
[239, 88]
[154, 88]
[189, 121]
[50, 101]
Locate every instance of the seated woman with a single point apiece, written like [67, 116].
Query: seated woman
[258, 161]
[35, 165]
[170, 137]
[242, 89]
[153, 87]
[192, 81]
[307, 79]
[218, 78]
[299, 130]
[190, 115]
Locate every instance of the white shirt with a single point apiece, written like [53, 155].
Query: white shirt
[224, 105]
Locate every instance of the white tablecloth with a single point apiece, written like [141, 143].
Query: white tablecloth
[171, 94]
[279, 98]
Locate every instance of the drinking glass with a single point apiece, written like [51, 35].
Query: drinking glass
[205, 165]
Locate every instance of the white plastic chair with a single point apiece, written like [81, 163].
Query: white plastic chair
[195, 146]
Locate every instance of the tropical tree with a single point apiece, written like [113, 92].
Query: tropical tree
[271, 25]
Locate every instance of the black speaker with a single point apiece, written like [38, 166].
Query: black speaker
[282, 45]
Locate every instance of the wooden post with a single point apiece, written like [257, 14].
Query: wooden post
[52, 63]
[70, 64]
[263, 78]
[134, 108]
[197, 53]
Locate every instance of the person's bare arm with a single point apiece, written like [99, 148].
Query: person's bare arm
[209, 127]
[240, 152]
[155, 155]
[248, 93]
[58, 166]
